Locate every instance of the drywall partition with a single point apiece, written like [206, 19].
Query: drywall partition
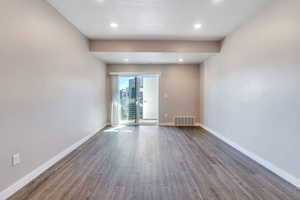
[178, 90]
[250, 92]
[52, 91]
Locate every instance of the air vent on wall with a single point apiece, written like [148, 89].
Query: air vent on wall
[184, 121]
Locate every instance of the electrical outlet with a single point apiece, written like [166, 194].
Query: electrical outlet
[16, 159]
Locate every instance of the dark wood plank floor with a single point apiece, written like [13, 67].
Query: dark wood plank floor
[157, 163]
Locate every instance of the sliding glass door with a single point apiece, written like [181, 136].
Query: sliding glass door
[138, 99]
[148, 97]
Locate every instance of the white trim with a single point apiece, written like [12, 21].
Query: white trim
[38, 171]
[136, 124]
[172, 124]
[134, 73]
[167, 124]
[270, 166]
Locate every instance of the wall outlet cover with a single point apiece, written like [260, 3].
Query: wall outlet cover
[16, 159]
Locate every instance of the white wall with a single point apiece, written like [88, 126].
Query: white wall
[179, 82]
[250, 92]
[52, 90]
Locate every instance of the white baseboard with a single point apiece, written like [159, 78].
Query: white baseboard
[38, 171]
[166, 124]
[278, 171]
[172, 124]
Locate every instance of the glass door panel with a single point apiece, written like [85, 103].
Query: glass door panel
[139, 99]
[127, 87]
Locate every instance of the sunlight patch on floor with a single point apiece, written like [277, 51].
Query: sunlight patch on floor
[118, 129]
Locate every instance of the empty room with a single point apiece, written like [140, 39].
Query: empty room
[150, 100]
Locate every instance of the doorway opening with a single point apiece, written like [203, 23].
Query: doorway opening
[138, 100]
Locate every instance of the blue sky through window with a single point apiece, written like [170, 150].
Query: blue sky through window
[124, 81]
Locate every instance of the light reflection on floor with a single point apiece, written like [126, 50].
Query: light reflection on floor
[118, 129]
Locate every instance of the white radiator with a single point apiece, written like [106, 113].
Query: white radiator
[184, 120]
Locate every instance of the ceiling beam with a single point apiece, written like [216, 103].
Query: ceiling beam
[180, 46]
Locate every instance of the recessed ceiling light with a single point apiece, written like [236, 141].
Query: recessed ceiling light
[126, 59]
[217, 1]
[114, 25]
[197, 26]
[100, 1]
[180, 60]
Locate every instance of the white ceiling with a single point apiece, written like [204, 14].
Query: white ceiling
[150, 58]
[157, 19]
